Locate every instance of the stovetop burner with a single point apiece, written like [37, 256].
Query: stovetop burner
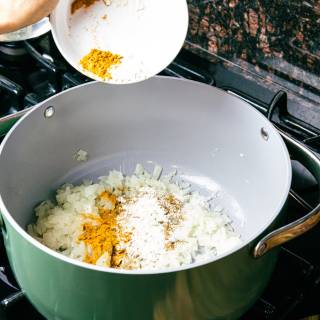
[12, 50]
[39, 71]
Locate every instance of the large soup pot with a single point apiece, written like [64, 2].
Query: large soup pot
[218, 141]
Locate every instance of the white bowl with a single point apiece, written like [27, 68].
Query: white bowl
[148, 34]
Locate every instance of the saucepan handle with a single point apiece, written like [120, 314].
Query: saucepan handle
[293, 230]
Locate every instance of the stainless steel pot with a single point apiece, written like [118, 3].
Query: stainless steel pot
[33, 31]
[206, 133]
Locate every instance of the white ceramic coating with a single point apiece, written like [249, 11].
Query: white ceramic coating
[147, 33]
[214, 139]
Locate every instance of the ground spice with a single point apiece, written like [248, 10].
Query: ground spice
[99, 62]
[172, 207]
[103, 234]
[78, 4]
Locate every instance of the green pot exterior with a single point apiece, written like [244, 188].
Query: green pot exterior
[5, 126]
[223, 289]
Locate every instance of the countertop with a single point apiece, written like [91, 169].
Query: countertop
[275, 42]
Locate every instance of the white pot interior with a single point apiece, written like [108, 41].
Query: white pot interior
[213, 139]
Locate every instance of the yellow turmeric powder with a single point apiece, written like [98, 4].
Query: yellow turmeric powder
[99, 62]
[104, 235]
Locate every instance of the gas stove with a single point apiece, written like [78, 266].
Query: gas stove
[33, 70]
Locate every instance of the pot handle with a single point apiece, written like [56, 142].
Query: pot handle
[295, 229]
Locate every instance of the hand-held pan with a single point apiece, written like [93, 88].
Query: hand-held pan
[211, 136]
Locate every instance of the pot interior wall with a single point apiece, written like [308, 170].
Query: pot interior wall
[213, 138]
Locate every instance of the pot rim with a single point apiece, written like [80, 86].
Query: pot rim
[22, 232]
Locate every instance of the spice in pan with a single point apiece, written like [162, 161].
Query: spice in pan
[172, 208]
[100, 63]
[103, 234]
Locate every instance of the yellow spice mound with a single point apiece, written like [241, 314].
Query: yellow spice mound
[104, 235]
[99, 62]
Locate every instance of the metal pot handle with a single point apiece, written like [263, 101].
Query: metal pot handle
[295, 229]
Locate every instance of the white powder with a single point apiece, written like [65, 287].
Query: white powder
[130, 69]
[145, 218]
